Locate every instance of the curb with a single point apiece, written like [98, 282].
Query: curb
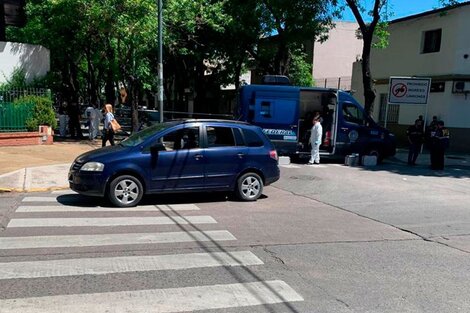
[5, 190]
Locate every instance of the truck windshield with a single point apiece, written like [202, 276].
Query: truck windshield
[139, 137]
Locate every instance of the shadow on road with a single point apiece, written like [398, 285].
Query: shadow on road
[156, 199]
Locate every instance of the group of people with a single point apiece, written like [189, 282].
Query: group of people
[435, 136]
[69, 119]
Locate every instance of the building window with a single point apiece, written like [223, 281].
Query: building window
[393, 111]
[432, 41]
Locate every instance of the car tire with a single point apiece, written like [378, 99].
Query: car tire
[375, 152]
[125, 191]
[249, 187]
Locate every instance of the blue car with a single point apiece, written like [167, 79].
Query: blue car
[179, 156]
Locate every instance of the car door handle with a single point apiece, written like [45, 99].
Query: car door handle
[241, 155]
[344, 129]
[198, 156]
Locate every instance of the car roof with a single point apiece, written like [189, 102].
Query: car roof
[207, 120]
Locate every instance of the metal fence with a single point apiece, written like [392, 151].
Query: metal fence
[12, 94]
[13, 116]
[343, 83]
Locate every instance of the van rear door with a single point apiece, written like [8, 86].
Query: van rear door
[276, 111]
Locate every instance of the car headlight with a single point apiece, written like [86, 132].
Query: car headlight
[93, 167]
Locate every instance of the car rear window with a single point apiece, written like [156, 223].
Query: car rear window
[252, 139]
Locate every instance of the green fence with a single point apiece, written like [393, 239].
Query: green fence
[13, 116]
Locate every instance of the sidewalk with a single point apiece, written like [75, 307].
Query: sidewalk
[42, 168]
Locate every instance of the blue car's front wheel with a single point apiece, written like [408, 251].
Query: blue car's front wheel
[125, 191]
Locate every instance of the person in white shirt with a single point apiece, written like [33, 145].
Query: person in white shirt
[315, 140]
[97, 120]
[90, 113]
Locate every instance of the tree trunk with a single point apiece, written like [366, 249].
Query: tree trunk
[2, 22]
[368, 83]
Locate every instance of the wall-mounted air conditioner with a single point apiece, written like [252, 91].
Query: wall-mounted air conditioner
[461, 86]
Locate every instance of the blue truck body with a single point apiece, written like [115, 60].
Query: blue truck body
[285, 114]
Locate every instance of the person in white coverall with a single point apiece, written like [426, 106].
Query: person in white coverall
[315, 140]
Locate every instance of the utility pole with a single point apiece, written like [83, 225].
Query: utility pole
[160, 60]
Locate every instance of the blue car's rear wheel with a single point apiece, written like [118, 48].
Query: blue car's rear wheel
[125, 191]
[249, 187]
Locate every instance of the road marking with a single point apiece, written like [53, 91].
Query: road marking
[101, 266]
[66, 241]
[110, 221]
[64, 192]
[290, 166]
[187, 299]
[141, 208]
[39, 199]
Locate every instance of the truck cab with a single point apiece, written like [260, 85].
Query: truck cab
[285, 114]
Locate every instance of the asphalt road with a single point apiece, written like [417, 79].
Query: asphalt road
[325, 238]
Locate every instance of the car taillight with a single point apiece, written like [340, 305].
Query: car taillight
[273, 154]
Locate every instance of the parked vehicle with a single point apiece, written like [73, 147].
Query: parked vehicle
[285, 113]
[179, 156]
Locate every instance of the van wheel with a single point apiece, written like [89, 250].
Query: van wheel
[125, 191]
[249, 187]
[375, 152]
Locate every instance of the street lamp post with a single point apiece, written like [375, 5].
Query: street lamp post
[160, 60]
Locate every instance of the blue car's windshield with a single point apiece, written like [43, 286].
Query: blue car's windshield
[139, 137]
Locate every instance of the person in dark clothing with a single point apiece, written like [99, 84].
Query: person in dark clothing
[74, 120]
[415, 138]
[438, 144]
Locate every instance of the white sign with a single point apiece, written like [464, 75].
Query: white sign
[408, 90]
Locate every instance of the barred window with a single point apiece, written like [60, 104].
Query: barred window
[393, 111]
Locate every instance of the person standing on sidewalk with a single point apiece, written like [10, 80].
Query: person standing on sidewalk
[63, 119]
[415, 138]
[90, 113]
[97, 120]
[315, 140]
[439, 143]
[108, 133]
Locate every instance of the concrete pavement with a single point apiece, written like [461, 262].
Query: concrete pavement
[42, 168]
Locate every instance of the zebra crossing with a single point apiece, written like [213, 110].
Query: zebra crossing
[184, 223]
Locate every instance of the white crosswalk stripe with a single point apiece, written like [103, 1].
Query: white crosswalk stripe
[31, 242]
[99, 266]
[141, 208]
[109, 221]
[40, 199]
[159, 300]
[221, 295]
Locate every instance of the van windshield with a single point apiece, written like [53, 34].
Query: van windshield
[138, 138]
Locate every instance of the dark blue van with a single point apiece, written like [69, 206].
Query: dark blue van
[285, 114]
[180, 156]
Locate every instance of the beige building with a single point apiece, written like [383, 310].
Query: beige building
[32, 59]
[333, 59]
[433, 44]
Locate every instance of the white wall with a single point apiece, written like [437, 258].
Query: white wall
[33, 59]
[334, 57]
[403, 57]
